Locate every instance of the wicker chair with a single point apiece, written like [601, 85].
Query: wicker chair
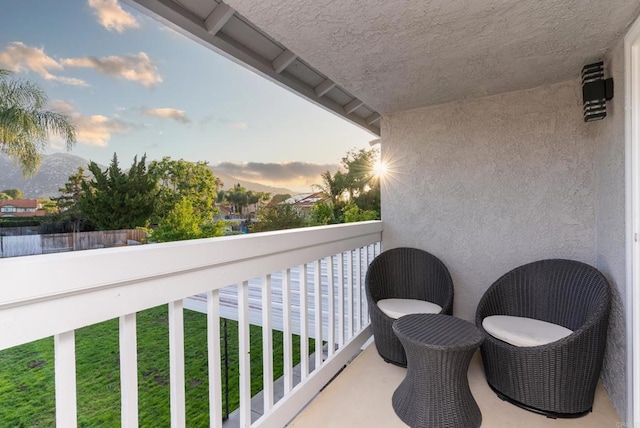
[405, 273]
[557, 379]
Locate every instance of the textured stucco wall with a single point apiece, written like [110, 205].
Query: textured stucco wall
[492, 183]
[610, 226]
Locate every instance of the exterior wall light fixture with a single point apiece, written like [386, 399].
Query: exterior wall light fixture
[596, 91]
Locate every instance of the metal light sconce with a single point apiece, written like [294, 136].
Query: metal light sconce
[596, 91]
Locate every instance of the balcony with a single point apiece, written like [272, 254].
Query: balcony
[361, 396]
[310, 283]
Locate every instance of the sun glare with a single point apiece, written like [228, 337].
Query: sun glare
[379, 169]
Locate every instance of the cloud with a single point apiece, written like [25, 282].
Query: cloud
[178, 115]
[239, 125]
[19, 57]
[138, 67]
[293, 174]
[111, 16]
[93, 130]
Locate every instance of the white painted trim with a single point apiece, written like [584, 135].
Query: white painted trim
[174, 15]
[304, 323]
[317, 309]
[65, 379]
[282, 412]
[213, 347]
[331, 314]
[287, 339]
[112, 282]
[632, 166]
[267, 345]
[353, 106]
[325, 87]
[176, 364]
[220, 15]
[244, 349]
[283, 61]
[128, 371]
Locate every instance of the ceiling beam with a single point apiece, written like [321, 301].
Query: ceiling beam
[353, 106]
[325, 87]
[218, 18]
[283, 61]
[176, 16]
[373, 118]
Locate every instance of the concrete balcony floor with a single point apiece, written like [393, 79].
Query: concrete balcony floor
[361, 397]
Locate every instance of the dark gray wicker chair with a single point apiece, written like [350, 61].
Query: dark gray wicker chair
[558, 379]
[405, 273]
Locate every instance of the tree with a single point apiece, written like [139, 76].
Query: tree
[68, 201]
[184, 221]
[25, 124]
[13, 193]
[277, 217]
[49, 206]
[180, 179]
[322, 213]
[238, 198]
[115, 200]
[353, 213]
[356, 184]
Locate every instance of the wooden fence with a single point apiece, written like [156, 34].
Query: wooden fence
[26, 245]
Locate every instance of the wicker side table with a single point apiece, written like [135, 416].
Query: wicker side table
[435, 391]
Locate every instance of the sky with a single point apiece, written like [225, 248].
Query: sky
[134, 86]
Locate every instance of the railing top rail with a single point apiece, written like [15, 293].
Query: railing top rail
[69, 290]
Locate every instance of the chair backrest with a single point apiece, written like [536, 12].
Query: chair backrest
[409, 273]
[564, 292]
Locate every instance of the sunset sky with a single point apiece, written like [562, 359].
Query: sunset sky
[134, 86]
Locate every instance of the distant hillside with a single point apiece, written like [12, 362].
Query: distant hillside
[53, 173]
[57, 168]
[230, 181]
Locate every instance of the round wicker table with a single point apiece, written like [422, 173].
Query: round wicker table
[435, 391]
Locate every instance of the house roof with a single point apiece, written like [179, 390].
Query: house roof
[305, 199]
[19, 203]
[392, 55]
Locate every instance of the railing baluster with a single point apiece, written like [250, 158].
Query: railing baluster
[128, 371]
[365, 306]
[176, 364]
[317, 280]
[359, 289]
[192, 269]
[304, 325]
[331, 339]
[244, 355]
[65, 378]
[213, 351]
[267, 344]
[350, 293]
[286, 334]
[341, 299]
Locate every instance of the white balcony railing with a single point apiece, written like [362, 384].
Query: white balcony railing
[53, 295]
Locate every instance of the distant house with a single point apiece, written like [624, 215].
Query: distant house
[225, 211]
[20, 208]
[303, 202]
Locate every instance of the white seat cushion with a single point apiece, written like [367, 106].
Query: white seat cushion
[520, 331]
[396, 308]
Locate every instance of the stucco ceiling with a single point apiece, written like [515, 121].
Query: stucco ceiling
[402, 54]
[363, 58]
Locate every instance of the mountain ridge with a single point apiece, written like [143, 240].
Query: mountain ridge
[56, 168]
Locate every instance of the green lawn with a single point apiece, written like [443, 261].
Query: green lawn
[27, 397]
